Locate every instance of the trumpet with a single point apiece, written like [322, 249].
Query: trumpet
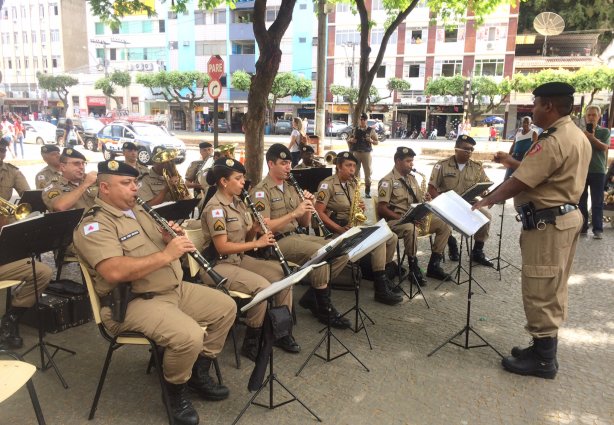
[20, 211]
[218, 279]
[178, 191]
[325, 232]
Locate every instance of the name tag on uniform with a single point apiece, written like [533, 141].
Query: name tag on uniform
[231, 219]
[338, 193]
[396, 185]
[449, 175]
[275, 199]
[128, 236]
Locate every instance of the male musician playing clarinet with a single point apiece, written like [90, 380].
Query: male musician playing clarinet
[120, 242]
[279, 202]
[396, 192]
[333, 203]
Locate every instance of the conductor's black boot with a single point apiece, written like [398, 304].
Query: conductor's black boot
[203, 384]
[251, 342]
[416, 272]
[326, 311]
[453, 249]
[9, 328]
[539, 361]
[434, 269]
[383, 294]
[520, 352]
[477, 255]
[181, 407]
[308, 301]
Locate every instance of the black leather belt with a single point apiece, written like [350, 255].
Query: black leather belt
[280, 236]
[551, 213]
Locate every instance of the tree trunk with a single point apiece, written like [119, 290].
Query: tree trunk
[187, 108]
[118, 101]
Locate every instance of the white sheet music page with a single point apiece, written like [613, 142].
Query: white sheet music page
[457, 212]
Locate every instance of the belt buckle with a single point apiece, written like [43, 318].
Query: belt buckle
[541, 225]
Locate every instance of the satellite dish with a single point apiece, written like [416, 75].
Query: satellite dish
[548, 23]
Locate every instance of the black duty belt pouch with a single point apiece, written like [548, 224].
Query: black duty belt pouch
[526, 215]
[281, 321]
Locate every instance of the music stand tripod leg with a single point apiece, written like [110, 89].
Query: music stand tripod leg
[360, 314]
[499, 258]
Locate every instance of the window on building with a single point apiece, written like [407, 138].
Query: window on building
[9, 64]
[271, 14]
[172, 15]
[18, 63]
[346, 37]
[381, 72]
[26, 63]
[416, 37]
[173, 45]
[43, 36]
[112, 54]
[33, 37]
[219, 17]
[100, 53]
[99, 28]
[451, 35]
[302, 6]
[199, 17]
[161, 25]
[448, 68]
[15, 37]
[377, 5]
[377, 34]
[302, 39]
[5, 14]
[243, 17]
[35, 62]
[53, 9]
[343, 7]
[314, 76]
[14, 13]
[247, 48]
[489, 67]
[413, 70]
[54, 62]
[41, 11]
[24, 37]
[209, 48]
[348, 71]
[55, 35]
[492, 33]
[23, 11]
[6, 38]
[45, 64]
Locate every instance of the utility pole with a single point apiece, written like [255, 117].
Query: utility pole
[321, 72]
[126, 58]
[104, 45]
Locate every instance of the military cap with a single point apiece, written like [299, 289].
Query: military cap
[345, 156]
[117, 168]
[49, 149]
[404, 152]
[278, 151]
[204, 145]
[364, 116]
[222, 164]
[554, 88]
[465, 139]
[73, 153]
[129, 146]
[307, 148]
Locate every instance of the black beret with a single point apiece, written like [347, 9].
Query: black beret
[223, 164]
[465, 139]
[553, 89]
[403, 152]
[345, 156]
[364, 116]
[73, 153]
[307, 148]
[117, 168]
[49, 149]
[129, 146]
[204, 145]
[278, 151]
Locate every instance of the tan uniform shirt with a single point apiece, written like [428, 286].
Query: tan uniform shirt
[142, 169]
[396, 194]
[106, 232]
[232, 219]
[46, 176]
[446, 175]
[273, 203]
[193, 169]
[11, 178]
[555, 167]
[150, 185]
[336, 197]
[61, 186]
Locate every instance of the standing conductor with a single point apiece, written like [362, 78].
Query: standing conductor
[546, 187]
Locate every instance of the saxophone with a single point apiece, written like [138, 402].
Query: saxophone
[356, 216]
[423, 225]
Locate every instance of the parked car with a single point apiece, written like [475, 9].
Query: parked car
[334, 127]
[347, 131]
[146, 136]
[222, 126]
[283, 127]
[39, 132]
[86, 127]
[311, 127]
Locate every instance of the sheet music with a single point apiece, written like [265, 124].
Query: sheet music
[381, 235]
[457, 212]
[332, 244]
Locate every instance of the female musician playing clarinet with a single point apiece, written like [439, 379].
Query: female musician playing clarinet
[230, 231]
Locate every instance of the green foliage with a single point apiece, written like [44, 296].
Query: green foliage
[56, 83]
[398, 84]
[108, 84]
[350, 94]
[445, 86]
[176, 85]
[285, 84]
[240, 80]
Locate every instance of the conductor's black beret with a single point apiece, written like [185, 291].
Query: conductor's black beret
[553, 89]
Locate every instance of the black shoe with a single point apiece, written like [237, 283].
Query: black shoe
[367, 195]
[393, 287]
[309, 302]
[415, 272]
[181, 408]
[477, 256]
[382, 292]
[9, 331]
[520, 353]
[326, 311]
[434, 269]
[538, 361]
[251, 342]
[288, 344]
[203, 384]
[453, 249]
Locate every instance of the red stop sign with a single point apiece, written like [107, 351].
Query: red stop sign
[215, 67]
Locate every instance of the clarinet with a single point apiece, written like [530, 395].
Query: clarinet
[280, 256]
[218, 279]
[327, 233]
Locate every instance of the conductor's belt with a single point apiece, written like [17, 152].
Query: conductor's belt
[280, 236]
[548, 215]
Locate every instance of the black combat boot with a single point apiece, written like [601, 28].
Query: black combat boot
[251, 342]
[367, 192]
[9, 328]
[416, 272]
[203, 384]
[520, 352]
[434, 269]
[181, 408]
[453, 249]
[288, 344]
[477, 255]
[392, 272]
[539, 360]
[309, 302]
[383, 294]
[327, 311]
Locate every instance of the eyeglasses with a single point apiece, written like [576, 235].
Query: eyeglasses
[468, 150]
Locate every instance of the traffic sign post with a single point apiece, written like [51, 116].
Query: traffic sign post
[215, 69]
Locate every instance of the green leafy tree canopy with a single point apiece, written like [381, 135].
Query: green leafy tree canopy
[58, 84]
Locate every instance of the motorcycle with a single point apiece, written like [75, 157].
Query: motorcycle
[451, 135]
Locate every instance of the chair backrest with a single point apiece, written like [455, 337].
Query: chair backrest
[13, 375]
[94, 299]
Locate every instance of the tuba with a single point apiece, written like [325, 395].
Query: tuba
[228, 150]
[357, 216]
[178, 191]
[330, 157]
[11, 210]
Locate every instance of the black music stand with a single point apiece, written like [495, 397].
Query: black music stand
[267, 295]
[179, 210]
[310, 178]
[35, 199]
[499, 258]
[29, 238]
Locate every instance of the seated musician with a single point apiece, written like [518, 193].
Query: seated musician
[397, 191]
[276, 199]
[230, 231]
[333, 203]
[191, 176]
[458, 173]
[153, 187]
[131, 152]
[51, 173]
[120, 242]
[307, 159]
[76, 188]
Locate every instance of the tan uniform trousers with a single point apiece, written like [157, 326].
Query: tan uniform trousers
[437, 226]
[251, 277]
[299, 248]
[547, 256]
[364, 161]
[24, 295]
[482, 234]
[383, 254]
[174, 319]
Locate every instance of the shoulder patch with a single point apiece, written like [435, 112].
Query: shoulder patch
[382, 193]
[437, 166]
[321, 195]
[259, 206]
[90, 228]
[52, 194]
[259, 194]
[384, 184]
[40, 177]
[219, 226]
[218, 212]
[535, 149]
[324, 186]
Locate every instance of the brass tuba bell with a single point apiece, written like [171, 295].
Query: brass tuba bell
[179, 191]
[330, 157]
[20, 211]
